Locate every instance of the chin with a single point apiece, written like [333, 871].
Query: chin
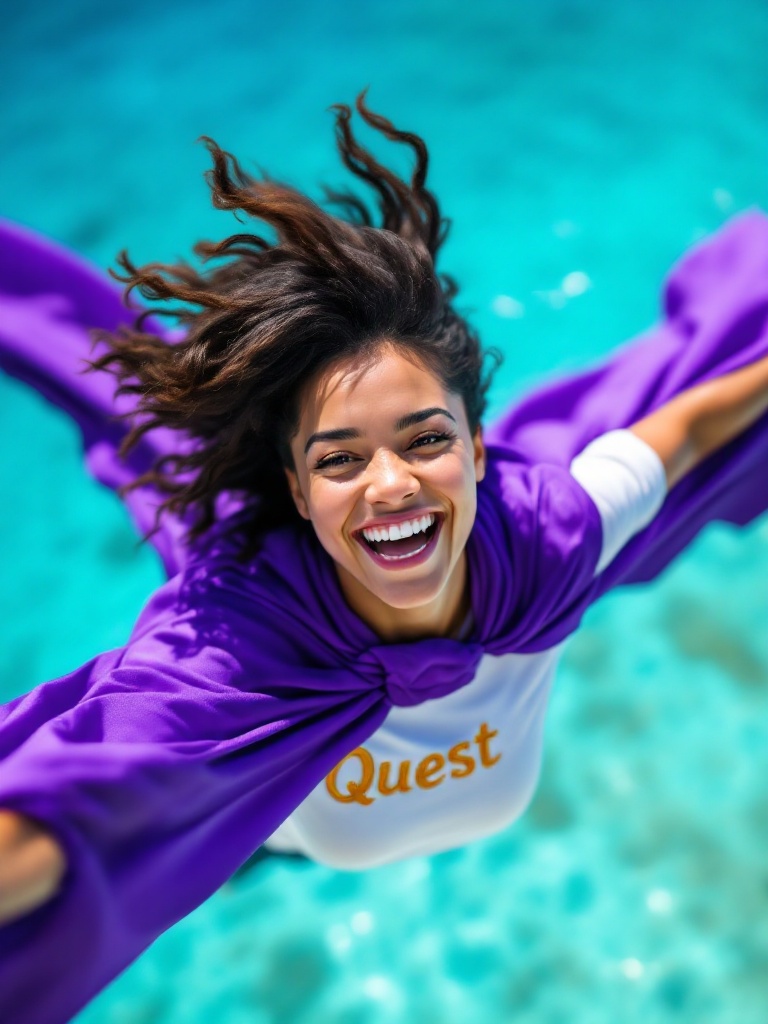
[409, 594]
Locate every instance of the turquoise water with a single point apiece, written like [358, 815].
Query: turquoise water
[596, 140]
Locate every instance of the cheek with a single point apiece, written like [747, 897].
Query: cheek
[328, 507]
[456, 480]
[460, 487]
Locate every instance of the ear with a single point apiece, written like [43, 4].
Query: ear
[298, 498]
[479, 451]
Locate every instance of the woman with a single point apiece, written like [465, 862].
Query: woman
[367, 593]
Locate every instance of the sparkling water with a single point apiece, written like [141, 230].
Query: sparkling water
[579, 148]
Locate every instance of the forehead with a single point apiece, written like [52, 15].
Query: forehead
[371, 388]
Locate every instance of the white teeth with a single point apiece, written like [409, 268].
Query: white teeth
[399, 530]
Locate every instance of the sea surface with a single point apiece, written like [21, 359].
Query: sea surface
[579, 149]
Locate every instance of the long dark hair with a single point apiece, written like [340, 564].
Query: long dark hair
[270, 317]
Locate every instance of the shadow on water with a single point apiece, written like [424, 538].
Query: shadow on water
[698, 632]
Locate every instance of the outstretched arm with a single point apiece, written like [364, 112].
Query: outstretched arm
[702, 419]
[32, 864]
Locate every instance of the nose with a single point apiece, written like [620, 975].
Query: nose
[389, 479]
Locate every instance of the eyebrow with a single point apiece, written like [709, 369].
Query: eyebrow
[348, 433]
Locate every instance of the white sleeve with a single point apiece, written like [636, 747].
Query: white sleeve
[625, 478]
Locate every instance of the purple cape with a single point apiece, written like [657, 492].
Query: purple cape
[163, 764]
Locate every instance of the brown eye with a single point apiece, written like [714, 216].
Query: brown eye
[433, 437]
[333, 460]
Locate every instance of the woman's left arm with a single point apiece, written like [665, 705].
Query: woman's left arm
[702, 419]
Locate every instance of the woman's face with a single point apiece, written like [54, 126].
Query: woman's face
[381, 443]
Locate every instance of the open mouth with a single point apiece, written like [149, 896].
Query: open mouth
[406, 551]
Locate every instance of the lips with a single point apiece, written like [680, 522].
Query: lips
[396, 520]
[399, 560]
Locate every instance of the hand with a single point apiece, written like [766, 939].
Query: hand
[32, 865]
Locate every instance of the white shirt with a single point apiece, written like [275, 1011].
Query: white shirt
[461, 767]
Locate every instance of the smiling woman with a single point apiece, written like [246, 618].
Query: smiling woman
[410, 456]
[363, 580]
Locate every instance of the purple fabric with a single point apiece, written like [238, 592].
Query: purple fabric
[162, 765]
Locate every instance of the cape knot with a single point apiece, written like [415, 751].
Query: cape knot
[414, 672]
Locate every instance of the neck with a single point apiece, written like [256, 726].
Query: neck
[442, 617]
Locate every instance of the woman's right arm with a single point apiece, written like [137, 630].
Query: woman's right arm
[32, 865]
[160, 767]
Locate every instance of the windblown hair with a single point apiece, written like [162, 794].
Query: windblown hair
[261, 324]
